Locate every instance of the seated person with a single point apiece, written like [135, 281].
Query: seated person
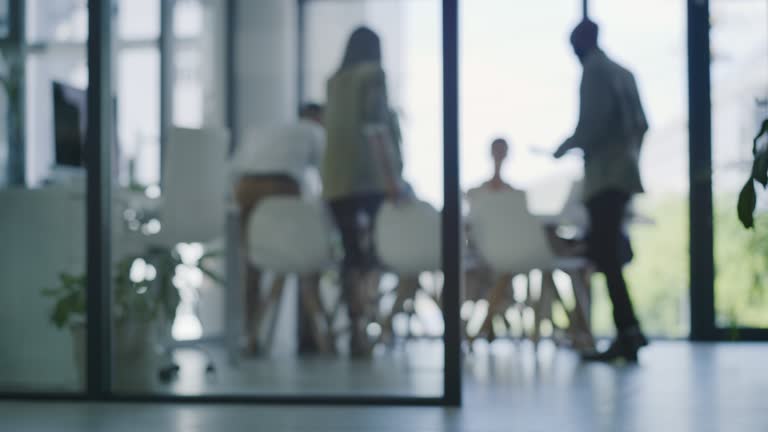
[499, 153]
[276, 161]
[478, 275]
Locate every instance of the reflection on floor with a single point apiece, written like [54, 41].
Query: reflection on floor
[678, 387]
[415, 370]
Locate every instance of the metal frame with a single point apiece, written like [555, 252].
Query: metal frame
[166, 44]
[99, 187]
[453, 274]
[231, 74]
[17, 152]
[700, 167]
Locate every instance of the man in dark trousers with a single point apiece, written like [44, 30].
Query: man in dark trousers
[609, 133]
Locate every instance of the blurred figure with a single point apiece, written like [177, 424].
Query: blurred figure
[269, 163]
[610, 132]
[362, 164]
[499, 153]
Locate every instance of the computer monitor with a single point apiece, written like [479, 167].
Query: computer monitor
[70, 126]
[70, 118]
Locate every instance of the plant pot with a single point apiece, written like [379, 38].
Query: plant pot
[136, 359]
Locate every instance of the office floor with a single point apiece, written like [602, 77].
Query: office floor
[678, 387]
[415, 370]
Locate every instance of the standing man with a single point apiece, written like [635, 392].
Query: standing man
[610, 133]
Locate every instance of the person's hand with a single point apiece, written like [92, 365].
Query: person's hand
[394, 193]
[560, 152]
[564, 148]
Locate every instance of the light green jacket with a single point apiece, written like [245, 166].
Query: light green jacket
[610, 129]
[357, 98]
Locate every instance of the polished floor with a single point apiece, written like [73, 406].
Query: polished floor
[677, 387]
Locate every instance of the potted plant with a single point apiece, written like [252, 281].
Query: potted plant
[748, 196]
[144, 305]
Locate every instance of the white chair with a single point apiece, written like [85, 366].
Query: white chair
[408, 242]
[195, 186]
[408, 237]
[513, 242]
[288, 235]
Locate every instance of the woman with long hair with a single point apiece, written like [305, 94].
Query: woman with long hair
[362, 164]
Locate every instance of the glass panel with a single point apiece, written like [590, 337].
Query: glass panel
[526, 92]
[739, 40]
[518, 99]
[410, 34]
[139, 19]
[42, 222]
[190, 318]
[60, 20]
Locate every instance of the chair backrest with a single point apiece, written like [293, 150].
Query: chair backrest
[290, 235]
[195, 185]
[506, 235]
[408, 237]
[574, 211]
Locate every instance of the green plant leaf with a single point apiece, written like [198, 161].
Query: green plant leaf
[747, 203]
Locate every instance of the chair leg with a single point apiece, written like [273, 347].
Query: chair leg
[275, 293]
[580, 328]
[313, 310]
[495, 299]
[405, 290]
[278, 286]
[543, 307]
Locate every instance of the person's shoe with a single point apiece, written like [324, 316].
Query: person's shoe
[625, 347]
[359, 345]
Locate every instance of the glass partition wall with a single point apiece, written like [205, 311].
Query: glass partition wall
[285, 241]
[218, 221]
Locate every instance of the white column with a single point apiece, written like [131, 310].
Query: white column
[266, 68]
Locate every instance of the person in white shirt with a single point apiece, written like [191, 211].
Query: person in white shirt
[275, 161]
[293, 150]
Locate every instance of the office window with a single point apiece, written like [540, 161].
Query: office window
[139, 19]
[59, 21]
[138, 114]
[520, 81]
[56, 52]
[199, 57]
